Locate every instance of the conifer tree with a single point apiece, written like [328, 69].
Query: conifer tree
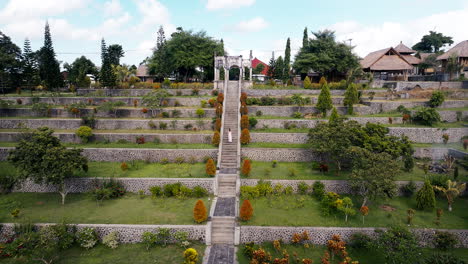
[200, 213]
[30, 66]
[108, 78]
[324, 102]
[351, 97]
[287, 59]
[279, 69]
[49, 67]
[271, 67]
[305, 38]
[425, 197]
[307, 83]
[334, 116]
[246, 210]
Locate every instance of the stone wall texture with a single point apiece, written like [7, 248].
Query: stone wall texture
[138, 92]
[127, 233]
[80, 185]
[94, 101]
[320, 235]
[106, 124]
[386, 106]
[121, 113]
[287, 111]
[127, 154]
[288, 92]
[400, 86]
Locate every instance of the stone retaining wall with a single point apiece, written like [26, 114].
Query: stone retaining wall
[127, 233]
[411, 85]
[81, 185]
[183, 101]
[106, 124]
[338, 186]
[288, 92]
[290, 110]
[387, 106]
[121, 112]
[320, 235]
[128, 154]
[429, 135]
[113, 137]
[138, 92]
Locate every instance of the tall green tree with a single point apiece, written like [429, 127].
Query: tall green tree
[159, 63]
[115, 52]
[78, 70]
[31, 76]
[433, 42]
[41, 157]
[287, 59]
[425, 197]
[108, 78]
[10, 64]
[271, 67]
[324, 101]
[326, 56]
[305, 38]
[351, 97]
[279, 69]
[49, 67]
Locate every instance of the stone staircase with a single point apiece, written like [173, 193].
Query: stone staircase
[229, 155]
[222, 230]
[227, 185]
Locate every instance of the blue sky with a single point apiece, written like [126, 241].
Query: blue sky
[261, 25]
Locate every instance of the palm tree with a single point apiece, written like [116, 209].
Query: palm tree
[453, 190]
[452, 65]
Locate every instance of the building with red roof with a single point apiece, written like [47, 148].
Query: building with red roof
[256, 62]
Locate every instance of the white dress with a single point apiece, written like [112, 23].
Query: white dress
[229, 136]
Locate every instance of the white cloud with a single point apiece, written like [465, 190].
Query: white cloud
[252, 25]
[26, 9]
[369, 38]
[112, 8]
[228, 4]
[153, 15]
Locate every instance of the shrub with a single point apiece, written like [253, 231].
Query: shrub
[274, 164]
[149, 239]
[19, 101]
[243, 109]
[200, 112]
[162, 125]
[318, 189]
[408, 163]
[245, 122]
[140, 140]
[144, 110]
[179, 160]
[220, 98]
[291, 172]
[297, 115]
[243, 97]
[442, 258]
[246, 210]
[219, 110]
[84, 133]
[253, 122]
[212, 102]
[324, 101]
[390, 120]
[303, 188]
[246, 168]
[245, 136]
[155, 191]
[307, 83]
[425, 197]
[210, 168]
[445, 138]
[203, 103]
[409, 189]
[199, 212]
[427, 116]
[89, 121]
[259, 113]
[397, 245]
[111, 240]
[199, 192]
[288, 190]
[190, 256]
[445, 240]
[216, 138]
[437, 98]
[359, 241]
[217, 126]
[173, 189]
[87, 238]
[135, 103]
[124, 166]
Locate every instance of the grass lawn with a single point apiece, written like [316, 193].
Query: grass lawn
[275, 145]
[281, 130]
[278, 212]
[82, 208]
[457, 145]
[316, 252]
[148, 145]
[137, 169]
[438, 125]
[124, 254]
[123, 131]
[304, 171]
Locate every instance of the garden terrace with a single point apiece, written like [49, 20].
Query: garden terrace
[81, 208]
[306, 211]
[139, 92]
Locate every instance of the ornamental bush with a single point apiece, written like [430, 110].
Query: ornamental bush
[425, 197]
[220, 98]
[246, 210]
[307, 83]
[246, 168]
[245, 137]
[190, 256]
[445, 240]
[200, 113]
[243, 109]
[87, 237]
[245, 122]
[252, 122]
[324, 102]
[199, 212]
[217, 126]
[426, 116]
[216, 138]
[210, 167]
[84, 133]
[437, 98]
[111, 240]
[243, 97]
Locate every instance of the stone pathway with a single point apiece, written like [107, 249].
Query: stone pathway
[225, 207]
[221, 254]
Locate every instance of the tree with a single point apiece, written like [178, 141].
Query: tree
[351, 97]
[246, 167]
[429, 62]
[432, 42]
[49, 67]
[123, 72]
[307, 83]
[324, 102]
[326, 56]
[425, 197]
[287, 59]
[111, 106]
[210, 168]
[437, 98]
[398, 245]
[108, 78]
[426, 116]
[305, 38]
[373, 174]
[39, 156]
[271, 67]
[78, 70]
[31, 76]
[216, 138]
[258, 69]
[10, 63]
[154, 100]
[334, 116]
[158, 64]
[246, 211]
[245, 136]
[279, 69]
[452, 65]
[115, 52]
[199, 212]
[452, 191]
[346, 207]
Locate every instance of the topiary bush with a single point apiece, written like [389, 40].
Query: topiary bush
[246, 211]
[307, 83]
[111, 240]
[87, 237]
[85, 133]
[245, 122]
[252, 122]
[200, 112]
[210, 168]
[425, 197]
[243, 109]
[190, 256]
[216, 139]
[245, 137]
[199, 212]
[246, 168]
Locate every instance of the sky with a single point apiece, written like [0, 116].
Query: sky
[77, 26]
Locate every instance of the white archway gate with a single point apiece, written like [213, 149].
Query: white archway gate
[228, 62]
